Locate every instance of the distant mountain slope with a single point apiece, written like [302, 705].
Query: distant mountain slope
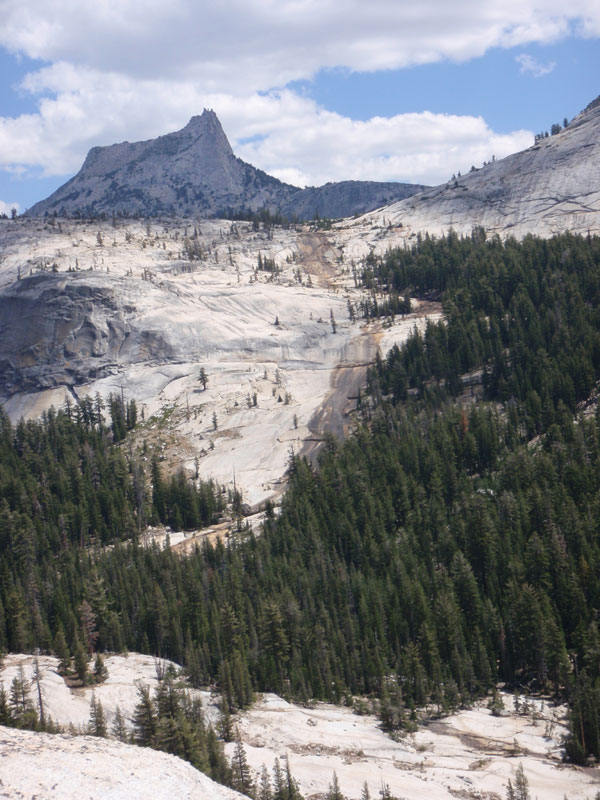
[195, 172]
[336, 200]
[551, 187]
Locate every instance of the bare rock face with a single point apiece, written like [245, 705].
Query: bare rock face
[64, 330]
[46, 766]
[194, 172]
[549, 188]
[335, 200]
[191, 171]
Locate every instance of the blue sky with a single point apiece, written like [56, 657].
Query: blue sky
[309, 91]
[492, 86]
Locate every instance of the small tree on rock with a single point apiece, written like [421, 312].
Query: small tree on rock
[241, 776]
[264, 787]
[61, 649]
[80, 660]
[97, 722]
[144, 718]
[334, 792]
[119, 729]
[520, 790]
[100, 670]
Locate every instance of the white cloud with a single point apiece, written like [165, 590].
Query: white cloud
[296, 140]
[531, 66]
[418, 147]
[244, 45]
[134, 69]
[6, 208]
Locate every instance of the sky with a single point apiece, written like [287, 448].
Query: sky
[308, 90]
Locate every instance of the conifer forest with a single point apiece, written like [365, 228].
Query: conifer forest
[452, 542]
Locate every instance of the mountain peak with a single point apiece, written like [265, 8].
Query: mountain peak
[206, 128]
[195, 171]
[204, 120]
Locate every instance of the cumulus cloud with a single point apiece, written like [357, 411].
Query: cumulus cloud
[6, 208]
[417, 147]
[285, 134]
[531, 66]
[240, 46]
[134, 69]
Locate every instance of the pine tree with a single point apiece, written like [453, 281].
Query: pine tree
[225, 723]
[293, 792]
[219, 769]
[80, 661]
[119, 728]
[21, 708]
[97, 721]
[334, 791]
[521, 784]
[241, 776]
[144, 718]
[385, 792]
[280, 791]
[100, 670]
[5, 716]
[62, 652]
[37, 678]
[264, 787]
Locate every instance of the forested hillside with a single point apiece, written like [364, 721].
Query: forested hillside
[452, 542]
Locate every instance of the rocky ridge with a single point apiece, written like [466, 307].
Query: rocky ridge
[194, 172]
[551, 187]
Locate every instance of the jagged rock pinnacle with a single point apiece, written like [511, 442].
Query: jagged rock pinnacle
[194, 171]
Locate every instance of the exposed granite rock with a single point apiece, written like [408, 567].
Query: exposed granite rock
[46, 766]
[194, 172]
[551, 187]
[336, 200]
[58, 329]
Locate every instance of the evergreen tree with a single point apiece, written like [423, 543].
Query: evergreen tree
[80, 660]
[219, 768]
[521, 788]
[225, 723]
[119, 727]
[22, 711]
[264, 787]
[144, 718]
[37, 679]
[280, 790]
[334, 792]
[241, 775]
[293, 792]
[62, 652]
[5, 715]
[100, 670]
[97, 721]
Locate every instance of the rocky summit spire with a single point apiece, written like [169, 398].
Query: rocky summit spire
[206, 127]
[194, 172]
[191, 171]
